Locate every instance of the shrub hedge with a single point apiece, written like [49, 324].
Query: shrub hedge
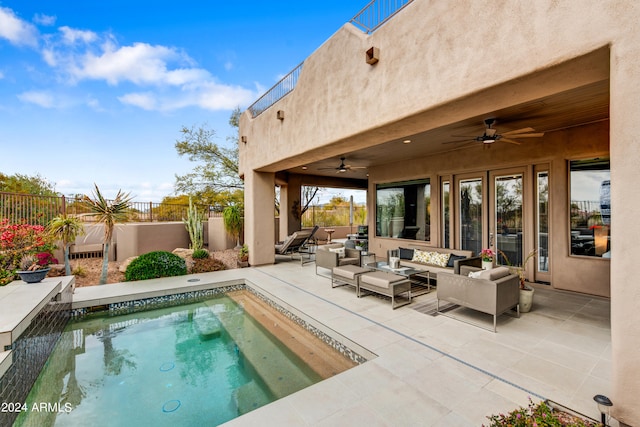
[155, 264]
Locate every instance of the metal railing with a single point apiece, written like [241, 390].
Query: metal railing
[276, 93]
[376, 13]
[36, 209]
[369, 19]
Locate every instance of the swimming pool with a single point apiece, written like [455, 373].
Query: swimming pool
[200, 363]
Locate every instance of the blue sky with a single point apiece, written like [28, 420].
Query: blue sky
[98, 91]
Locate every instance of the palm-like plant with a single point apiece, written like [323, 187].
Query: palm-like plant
[233, 221]
[65, 228]
[109, 213]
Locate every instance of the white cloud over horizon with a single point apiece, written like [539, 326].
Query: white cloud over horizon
[171, 79]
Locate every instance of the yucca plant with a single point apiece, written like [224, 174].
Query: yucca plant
[109, 213]
[233, 222]
[65, 228]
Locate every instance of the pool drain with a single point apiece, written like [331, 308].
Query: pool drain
[167, 366]
[171, 406]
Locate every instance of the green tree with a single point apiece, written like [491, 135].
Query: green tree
[65, 228]
[25, 184]
[109, 213]
[217, 170]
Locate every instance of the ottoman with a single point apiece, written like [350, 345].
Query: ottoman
[346, 275]
[387, 284]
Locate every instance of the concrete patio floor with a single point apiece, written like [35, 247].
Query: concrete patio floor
[429, 370]
[440, 371]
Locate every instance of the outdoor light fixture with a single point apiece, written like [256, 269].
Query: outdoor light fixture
[604, 406]
[373, 55]
[280, 115]
[406, 141]
[243, 139]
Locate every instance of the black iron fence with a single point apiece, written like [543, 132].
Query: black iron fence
[35, 209]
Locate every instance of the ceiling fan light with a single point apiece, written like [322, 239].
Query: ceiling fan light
[342, 170]
[488, 140]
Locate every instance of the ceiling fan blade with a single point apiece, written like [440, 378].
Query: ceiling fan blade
[510, 141]
[525, 135]
[355, 167]
[523, 130]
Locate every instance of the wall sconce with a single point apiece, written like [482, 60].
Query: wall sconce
[604, 406]
[243, 139]
[280, 114]
[372, 55]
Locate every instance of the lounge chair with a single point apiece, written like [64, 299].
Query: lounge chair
[292, 244]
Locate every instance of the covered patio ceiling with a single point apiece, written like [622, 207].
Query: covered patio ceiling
[575, 107]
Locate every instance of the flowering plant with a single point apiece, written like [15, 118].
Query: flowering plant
[537, 415]
[23, 244]
[487, 255]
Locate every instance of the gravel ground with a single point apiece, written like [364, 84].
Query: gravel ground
[93, 268]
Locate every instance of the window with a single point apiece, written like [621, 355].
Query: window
[590, 208]
[445, 214]
[403, 210]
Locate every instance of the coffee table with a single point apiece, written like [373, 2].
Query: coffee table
[419, 277]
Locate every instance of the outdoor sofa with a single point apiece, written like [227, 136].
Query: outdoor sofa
[435, 260]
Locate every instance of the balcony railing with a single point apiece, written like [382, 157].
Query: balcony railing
[377, 13]
[276, 93]
[369, 19]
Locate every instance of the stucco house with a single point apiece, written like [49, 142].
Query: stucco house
[510, 125]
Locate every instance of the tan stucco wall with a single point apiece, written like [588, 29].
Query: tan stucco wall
[138, 238]
[436, 57]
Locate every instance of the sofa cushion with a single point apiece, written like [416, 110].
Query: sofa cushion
[406, 253]
[339, 251]
[492, 274]
[421, 256]
[440, 259]
[453, 258]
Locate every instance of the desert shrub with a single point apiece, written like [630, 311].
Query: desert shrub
[79, 271]
[207, 264]
[200, 254]
[155, 264]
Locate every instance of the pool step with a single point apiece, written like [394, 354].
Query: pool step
[249, 397]
[280, 369]
[208, 326]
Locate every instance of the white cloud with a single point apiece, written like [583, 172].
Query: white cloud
[71, 36]
[16, 30]
[146, 101]
[42, 99]
[42, 19]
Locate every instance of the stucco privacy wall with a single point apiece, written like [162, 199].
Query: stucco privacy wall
[435, 57]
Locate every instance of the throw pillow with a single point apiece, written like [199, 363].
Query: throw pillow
[339, 251]
[476, 274]
[494, 273]
[441, 260]
[421, 256]
[406, 253]
[453, 258]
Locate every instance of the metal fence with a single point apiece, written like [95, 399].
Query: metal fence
[276, 93]
[335, 216]
[35, 209]
[377, 13]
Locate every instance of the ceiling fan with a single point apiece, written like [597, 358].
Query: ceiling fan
[343, 167]
[491, 134]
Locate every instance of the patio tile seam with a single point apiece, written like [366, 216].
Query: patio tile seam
[405, 336]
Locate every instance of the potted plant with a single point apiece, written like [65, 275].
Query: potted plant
[488, 256]
[34, 268]
[18, 241]
[243, 256]
[526, 292]
[541, 414]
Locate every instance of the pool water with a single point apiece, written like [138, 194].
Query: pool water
[198, 364]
